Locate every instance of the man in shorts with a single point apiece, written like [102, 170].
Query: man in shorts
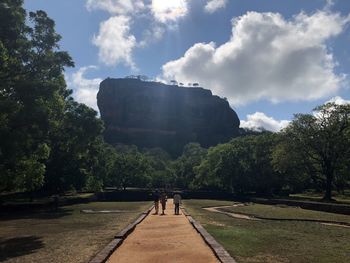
[177, 202]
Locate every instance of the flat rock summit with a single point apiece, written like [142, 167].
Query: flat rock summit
[153, 114]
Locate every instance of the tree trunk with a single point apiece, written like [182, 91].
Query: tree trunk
[31, 196]
[328, 192]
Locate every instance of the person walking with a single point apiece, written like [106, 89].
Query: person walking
[163, 200]
[177, 202]
[156, 198]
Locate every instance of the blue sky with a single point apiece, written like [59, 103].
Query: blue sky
[269, 58]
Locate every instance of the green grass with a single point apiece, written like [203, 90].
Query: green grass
[318, 197]
[286, 212]
[66, 235]
[274, 241]
[25, 199]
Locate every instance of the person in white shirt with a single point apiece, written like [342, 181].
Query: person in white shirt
[177, 202]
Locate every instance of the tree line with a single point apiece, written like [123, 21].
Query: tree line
[51, 143]
[48, 140]
[312, 152]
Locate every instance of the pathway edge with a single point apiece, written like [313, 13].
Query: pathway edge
[107, 251]
[219, 251]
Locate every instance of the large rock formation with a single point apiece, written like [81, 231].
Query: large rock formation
[152, 114]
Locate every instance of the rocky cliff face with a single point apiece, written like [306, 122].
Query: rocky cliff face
[151, 114]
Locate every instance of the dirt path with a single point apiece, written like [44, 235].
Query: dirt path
[216, 209]
[160, 239]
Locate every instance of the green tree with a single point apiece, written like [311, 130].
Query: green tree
[323, 139]
[102, 159]
[292, 166]
[184, 166]
[131, 169]
[75, 150]
[218, 169]
[265, 180]
[162, 173]
[240, 166]
[32, 94]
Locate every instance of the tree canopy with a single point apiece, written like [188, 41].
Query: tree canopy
[51, 143]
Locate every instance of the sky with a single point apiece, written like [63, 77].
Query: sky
[269, 58]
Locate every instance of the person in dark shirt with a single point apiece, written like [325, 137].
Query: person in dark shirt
[177, 202]
[156, 197]
[163, 199]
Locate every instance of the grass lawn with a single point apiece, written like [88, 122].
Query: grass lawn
[24, 199]
[318, 197]
[275, 241]
[63, 236]
[287, 212]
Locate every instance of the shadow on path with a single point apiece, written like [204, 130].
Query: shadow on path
[19, 246]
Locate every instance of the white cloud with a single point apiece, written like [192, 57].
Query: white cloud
[84, 90]
[338, 100]
[326, 113]
[115, 39]
[329, 5]
[169, 11]
[116, 7]
[115, 42]
[154, 34]
[162, 10]
[260, 121]
[214, 5]
[267, 57]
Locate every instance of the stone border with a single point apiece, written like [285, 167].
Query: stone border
[107, 251]
[219, 251]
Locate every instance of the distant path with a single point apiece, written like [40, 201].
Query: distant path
[160, 239]
[220, 209]
[216, 209]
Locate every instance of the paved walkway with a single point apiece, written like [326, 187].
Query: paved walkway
[160, 239]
